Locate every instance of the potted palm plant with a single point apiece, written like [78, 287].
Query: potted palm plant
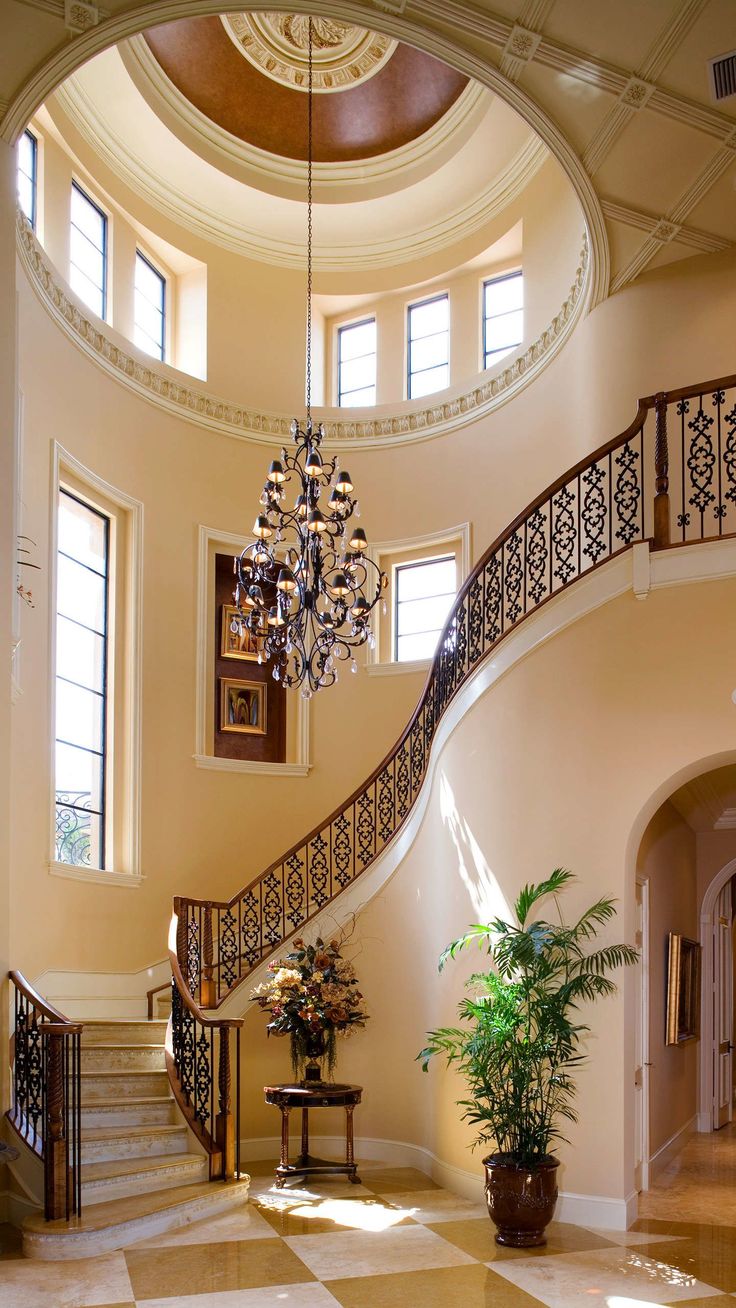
[519, 1046]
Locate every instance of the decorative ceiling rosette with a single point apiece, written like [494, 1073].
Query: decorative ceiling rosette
[277, 44]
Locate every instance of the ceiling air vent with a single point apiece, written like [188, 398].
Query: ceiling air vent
[722, 74]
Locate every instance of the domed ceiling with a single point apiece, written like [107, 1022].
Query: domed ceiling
[247, 73]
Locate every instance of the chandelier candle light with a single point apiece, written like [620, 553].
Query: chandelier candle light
[305, 586]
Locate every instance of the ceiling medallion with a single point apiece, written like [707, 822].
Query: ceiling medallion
[277, 44]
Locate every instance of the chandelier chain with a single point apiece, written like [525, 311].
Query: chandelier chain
[309, 229]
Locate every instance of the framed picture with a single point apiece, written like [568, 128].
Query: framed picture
[243, 706]
[235, 644]
[683, 990]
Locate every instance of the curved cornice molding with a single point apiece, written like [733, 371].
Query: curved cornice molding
[209, 224]
[417, 30]
[240, 159]
[162, 386]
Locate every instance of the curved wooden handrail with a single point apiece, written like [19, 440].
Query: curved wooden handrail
[24, 986]
[437, 694]
[189, 1002]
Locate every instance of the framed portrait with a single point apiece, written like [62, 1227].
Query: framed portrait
[683, 990]
[243, 706]
[237, 644]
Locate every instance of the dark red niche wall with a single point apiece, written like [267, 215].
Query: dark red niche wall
[244, 688]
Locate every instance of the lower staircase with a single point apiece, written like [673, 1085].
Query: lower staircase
[141, 1169]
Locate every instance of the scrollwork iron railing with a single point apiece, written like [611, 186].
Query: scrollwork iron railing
[45, 1058]
[199, 1061]
[604, 505]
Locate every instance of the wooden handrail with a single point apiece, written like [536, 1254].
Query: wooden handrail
[32, 995]
[594, 511]
[189, 1002]
[155, 990]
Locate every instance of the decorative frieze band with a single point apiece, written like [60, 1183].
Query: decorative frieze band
[155, 383]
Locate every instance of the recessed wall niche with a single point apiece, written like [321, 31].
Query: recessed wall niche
[249, 707]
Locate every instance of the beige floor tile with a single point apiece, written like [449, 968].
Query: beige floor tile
[478, 1238]
[473, 1286]
[699, 1184]
[710, 1256]
[244, 1223]
[633, 1239]
[437, 1206]
[206, 1268]
[313, 1295]
[334, 1187]
[372, 1253]
[395, 1180]
[602, 1275]
[79, 1284]
[715, 1301]
[320, 1216]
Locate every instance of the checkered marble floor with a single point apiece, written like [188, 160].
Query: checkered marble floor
[395, 1241]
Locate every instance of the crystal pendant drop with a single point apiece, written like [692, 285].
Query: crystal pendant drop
[353, 666]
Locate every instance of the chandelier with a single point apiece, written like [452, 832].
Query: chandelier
[305, 586]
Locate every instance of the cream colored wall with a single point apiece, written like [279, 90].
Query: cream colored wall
[207, 832]
[553, 766]
[668, 861]
[714, 849]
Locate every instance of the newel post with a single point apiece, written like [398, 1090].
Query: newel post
[56, 1161]
[206, 984]
[225, 1124]
[661, 473]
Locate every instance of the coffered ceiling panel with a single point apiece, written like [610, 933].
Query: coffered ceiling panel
[715, 212]
[578, 107]
[619, 32]
[653, 162]
[712, 34]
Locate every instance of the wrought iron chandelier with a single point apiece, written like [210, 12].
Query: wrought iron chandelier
[305, 586]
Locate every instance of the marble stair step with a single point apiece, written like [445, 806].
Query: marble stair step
[120, 1222]
[121, 1178]
[156, 1110]
[121, 1084]
[123, 1031]
[128, 1057]
[103, 1144]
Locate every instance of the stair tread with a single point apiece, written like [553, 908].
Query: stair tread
[135, 1101]
[123, 1071]
[122, 1167]
[131, 1044]
[114, 1211]
[91, 1133]
[124, 1021]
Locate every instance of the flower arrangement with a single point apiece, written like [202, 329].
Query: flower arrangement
[312, 996]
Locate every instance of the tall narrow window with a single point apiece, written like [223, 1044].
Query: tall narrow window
[88, 252]
[429, 346]
[503, 316]
[82, 586]
[423, 593]
[150, 307]
[356, 363]
[27, 175]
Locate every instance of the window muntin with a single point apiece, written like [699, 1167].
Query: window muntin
[88, 251]
[428, 356]
[27, 175]
[150, 307]
[503, 316]
[423, 595]
[82, 601]
[356, 364]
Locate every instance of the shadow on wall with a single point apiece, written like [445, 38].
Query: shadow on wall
[483, 890]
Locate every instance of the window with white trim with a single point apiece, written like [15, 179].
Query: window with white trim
[356, 364]
[503, 316]
[428, 351]
[88, 251]
[82, 606]
[423, 595]
[27, 175]
[150, 307]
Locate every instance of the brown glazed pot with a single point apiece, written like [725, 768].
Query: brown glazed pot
[521, 1200]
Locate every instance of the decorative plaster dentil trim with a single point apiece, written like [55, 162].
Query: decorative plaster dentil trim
[161, 385]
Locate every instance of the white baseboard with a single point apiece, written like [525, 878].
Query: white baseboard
[671, 1148]
[597, 1211]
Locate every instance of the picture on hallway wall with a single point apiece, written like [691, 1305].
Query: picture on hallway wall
[236, 641]
[683, 990]
[243, 706]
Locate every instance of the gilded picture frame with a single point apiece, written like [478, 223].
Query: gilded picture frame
[235, 645]
[683, 990]
[243, 706]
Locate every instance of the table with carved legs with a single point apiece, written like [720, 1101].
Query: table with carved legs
[316, 1095]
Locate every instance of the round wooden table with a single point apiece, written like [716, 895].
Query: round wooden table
[318, 1095]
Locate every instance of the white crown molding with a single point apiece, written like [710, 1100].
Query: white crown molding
[238, 157]
[254, 243]
[163, 386]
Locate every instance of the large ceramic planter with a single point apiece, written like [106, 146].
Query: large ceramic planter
[521, 1200]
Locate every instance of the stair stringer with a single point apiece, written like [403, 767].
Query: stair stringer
[589, 593]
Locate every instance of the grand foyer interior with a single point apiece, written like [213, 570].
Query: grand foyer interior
[579, 145]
